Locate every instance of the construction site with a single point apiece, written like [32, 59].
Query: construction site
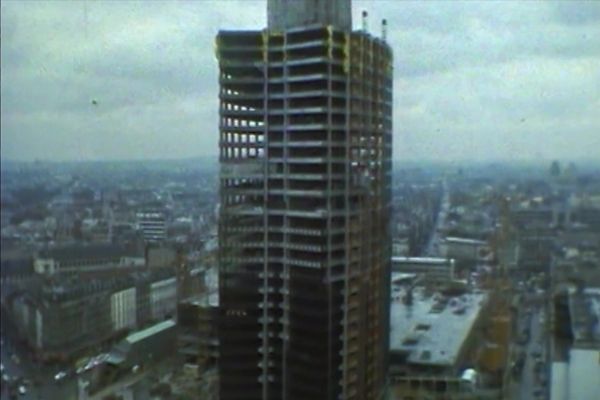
[304, 252]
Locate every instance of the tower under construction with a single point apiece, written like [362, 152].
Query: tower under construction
[305, 200]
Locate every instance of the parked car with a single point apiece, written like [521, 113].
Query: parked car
[90, 364]
[60, 375]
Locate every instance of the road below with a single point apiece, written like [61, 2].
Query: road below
[38, 380]
[530, 383]
[432, 249]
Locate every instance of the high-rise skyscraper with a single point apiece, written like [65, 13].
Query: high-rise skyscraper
[305, 192]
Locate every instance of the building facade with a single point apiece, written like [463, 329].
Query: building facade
[58, 320]
[123, 309]
[153, 225]
[432, 269]
[305, 202]
[74, 259]
[163, 294]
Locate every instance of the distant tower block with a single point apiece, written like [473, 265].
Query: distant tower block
[286, 14]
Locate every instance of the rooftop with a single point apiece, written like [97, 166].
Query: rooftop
[585, 317]
[574, 380]
[88, 284]
[77, 252]
[464, 240]
[421, 260]
[153, 330]
[434, 327]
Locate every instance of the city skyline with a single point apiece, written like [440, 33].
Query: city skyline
[300, 199]
[474, 80]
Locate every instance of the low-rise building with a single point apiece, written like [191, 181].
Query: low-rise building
[160, 256]
[464, 249]
[153, 225]
[60, 319]
[432, 268]
[438, 347]
[148, 345]
[163, 296]
[77, 258]
[130, 363]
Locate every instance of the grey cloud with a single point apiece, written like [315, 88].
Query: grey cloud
[487, 36]
[577, 13]
[472, 79]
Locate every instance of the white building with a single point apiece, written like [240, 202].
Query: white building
[163, 298]
[123, 309]
[153, 225]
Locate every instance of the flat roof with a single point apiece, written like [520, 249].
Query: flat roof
[576, 379]
[433, 329]
[421, 260]
[584, 370]
[464, 240]
[154, 329]
[403, 276]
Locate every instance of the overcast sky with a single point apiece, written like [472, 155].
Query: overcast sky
[473, 80]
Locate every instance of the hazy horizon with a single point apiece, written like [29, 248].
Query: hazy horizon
[589, 162]
[480, 81]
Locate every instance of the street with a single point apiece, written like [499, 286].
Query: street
[530, 382]
[432, 249]
[38, 381]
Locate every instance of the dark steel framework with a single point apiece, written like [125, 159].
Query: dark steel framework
[305, 192]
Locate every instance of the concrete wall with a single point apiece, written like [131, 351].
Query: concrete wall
[462, 250]
[123, 308]
[283, 14]
[163, 298]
